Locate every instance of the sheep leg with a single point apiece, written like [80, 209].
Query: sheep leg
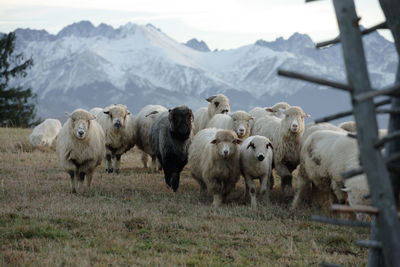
[175, 181]
[286, 176]
[80, 182]
[108, 164]
[302, 184]
[271, 181]
[88, 181]
[250, 185]
[116, 162]
[217, 201]
[154, 164]
[144, 158]
[264, 186]
[72, 181]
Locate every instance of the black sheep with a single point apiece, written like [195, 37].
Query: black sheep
[170, 137]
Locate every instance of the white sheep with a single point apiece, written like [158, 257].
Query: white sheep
[285, 135]
[218, 104]
[96, 111]
[80, 146]
[310, 128]
[45, 133]
[256, 155]
[118, 125]
[143, 122]
[238, 121]
[324, 156]
[214, 162]
[276, 110]
[349, 126]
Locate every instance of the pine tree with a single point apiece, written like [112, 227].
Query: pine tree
[17, 105]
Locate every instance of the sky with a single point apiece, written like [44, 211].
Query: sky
[222, 24]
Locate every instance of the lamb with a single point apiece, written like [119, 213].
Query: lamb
[219, 104]
[45, 133]
[238, 121]
[118, 125]
[170, 137]
[143, 122]
[349, 126]
[213, 159]
[256, 154]
[324, 156]
[96, 111]
[285, 135]
[80, 146]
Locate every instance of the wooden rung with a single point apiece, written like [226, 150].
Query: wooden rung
[369, 243]
[326, 220]
[308, 78]
[352, 135]
[393, 157]
[395, 111]
[351, 173]
[387, 138]
[336, 40]
[355, 208]
[393, 90]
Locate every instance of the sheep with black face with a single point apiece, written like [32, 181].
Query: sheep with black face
[118, 125]
[170, 137]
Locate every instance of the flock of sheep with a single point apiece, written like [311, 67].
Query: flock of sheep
[218, 145]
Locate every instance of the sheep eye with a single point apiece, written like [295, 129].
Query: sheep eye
[216, 104]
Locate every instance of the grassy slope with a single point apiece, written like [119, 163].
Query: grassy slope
[133, 219]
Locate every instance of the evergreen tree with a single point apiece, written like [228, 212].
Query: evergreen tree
[17, 105]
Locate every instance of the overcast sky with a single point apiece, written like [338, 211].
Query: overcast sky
[222, 24]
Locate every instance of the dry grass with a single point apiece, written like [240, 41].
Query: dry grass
[133, 219]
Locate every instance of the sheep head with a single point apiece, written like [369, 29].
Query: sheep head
[241, 123]
[219, 104]
[226, 142]
[294, 119]
[260, 146]
[80, 123]
[117, 114]
[180, 119]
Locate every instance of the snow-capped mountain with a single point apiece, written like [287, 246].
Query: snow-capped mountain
[87, 66]
[198, 45]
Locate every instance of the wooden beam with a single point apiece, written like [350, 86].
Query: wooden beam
[351, 173]
[357, 208]
[326, 220]
[389, 137]
[317, 80]
[367, 131]
[393, 90]
[369, 244]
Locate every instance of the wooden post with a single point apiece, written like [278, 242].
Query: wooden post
[391, 9]
[367, 131]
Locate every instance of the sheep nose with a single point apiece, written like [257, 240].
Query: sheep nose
[81, 132]
[226, 152]
[225, 111]
[117, 124]
[241, 131]
[260, 157]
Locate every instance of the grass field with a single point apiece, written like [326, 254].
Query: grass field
[132, 219]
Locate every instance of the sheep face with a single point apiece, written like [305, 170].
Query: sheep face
[278, 109]
[219, 104]
[241, 123]
[80, 123]
[260, 147]
[294, 119]
[117, 115]
[226, 142]
[181, 119]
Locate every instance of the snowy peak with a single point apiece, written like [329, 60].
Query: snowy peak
[290, 44]
[198, 45]
[29, 35]
[79, 29]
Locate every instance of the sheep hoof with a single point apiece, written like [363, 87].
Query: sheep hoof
[73, 191]
[116, 171]
[109, 170]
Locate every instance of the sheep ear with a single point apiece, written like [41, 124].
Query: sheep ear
[270, 145]
[251, 118]
[152, 113]
[269, 109]
[92, 117]
[237, 141]
[69, 115]
[249, 145]
[306, 115]
[346, 189]
[106, 112]
[211, 98]
[213, 141]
